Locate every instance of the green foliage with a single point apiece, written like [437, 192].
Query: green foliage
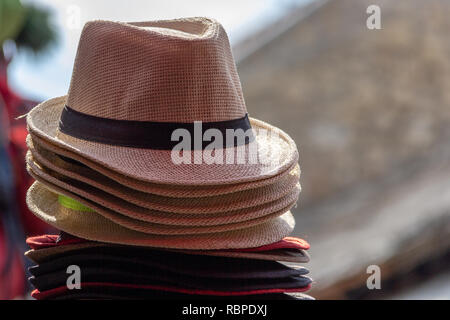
[37, 32]
[12, 16]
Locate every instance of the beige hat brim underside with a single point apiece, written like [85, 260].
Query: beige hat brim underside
[174, 191]
[174, 224]
[92, 226]
[230, 202]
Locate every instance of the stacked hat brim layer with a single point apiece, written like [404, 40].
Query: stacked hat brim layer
[103, 160]
[159, 215]
[133, 272]
[209, 222]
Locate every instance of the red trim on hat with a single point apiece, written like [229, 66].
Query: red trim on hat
[45, 241]
[39, 295]
[285, 243]
[50, 240]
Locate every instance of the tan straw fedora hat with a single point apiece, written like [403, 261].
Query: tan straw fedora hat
[89, 225]
[38, 146]
[156, 222]
[76, 175]
[141, 91]
[120, 206]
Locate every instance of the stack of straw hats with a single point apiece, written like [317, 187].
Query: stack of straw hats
[152, 156]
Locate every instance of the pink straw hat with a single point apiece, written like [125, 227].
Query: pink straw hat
[155, 222]
[89, 225]
[137, 85]
[101, 186]
[78, 163]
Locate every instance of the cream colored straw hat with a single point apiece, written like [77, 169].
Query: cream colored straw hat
[74, 174]
[84, 223]
[155, 222]
[38, 145]
[137, 85]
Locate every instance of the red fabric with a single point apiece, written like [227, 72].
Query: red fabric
[285, 243]
[40, 242]
[51, 240]
[61, 290]
[12, 278]
[12, 283]
[11, 100]
[45, 241]
[16, 106]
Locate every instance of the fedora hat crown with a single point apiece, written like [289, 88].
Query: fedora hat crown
[163, 71]
[136, 93]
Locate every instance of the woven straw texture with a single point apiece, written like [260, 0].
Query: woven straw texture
[167, 71]
[140, 219]
[44, 204]
[156, 166]
[176, 191]
[214, 204]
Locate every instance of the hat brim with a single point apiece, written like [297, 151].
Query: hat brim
[92, 226]
[170, 282]
[70, 172]
[285, 255]
[156, 166]
[147, 222]
[61, 291]
[92, 196]
[171, 191]
[109, 293]
[140, 261]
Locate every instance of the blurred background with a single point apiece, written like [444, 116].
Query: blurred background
[368, 109]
